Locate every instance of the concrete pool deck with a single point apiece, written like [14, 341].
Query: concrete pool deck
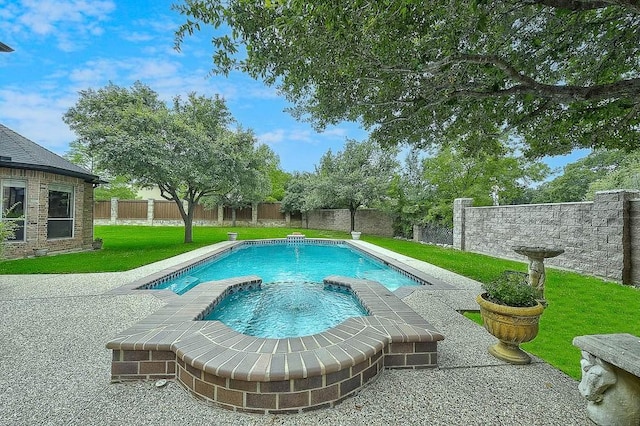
[55, 368]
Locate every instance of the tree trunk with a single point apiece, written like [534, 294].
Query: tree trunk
[233, 216]
[353, 219]
[187, 218]
[188, 229]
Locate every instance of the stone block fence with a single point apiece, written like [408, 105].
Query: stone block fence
[165, 213]
[600, 238]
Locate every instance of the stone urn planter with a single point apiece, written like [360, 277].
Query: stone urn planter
[233, 236]
[511, 326]
[97, 244]
[355, 235]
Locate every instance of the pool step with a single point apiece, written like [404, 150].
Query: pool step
[184, 284]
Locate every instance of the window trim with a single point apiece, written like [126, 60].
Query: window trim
[70, 189]
[15, 183]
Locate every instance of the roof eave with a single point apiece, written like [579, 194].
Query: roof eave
[87, 177]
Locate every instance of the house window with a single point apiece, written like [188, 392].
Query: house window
[60, 221]
[13, 206]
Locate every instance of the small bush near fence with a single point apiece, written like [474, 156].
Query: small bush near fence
[435, 234]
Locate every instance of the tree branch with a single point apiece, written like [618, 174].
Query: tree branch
[582, 5]
[629, 88]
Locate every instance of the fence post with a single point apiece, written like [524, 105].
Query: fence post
[150, 211]
[220, 214]
[417, 233]
[254, 213]
[610, 221]
[114, 210]
[459, 204]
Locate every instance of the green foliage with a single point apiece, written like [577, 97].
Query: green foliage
[119, 188]
[408, 196]
[7, 229]
[573, 184]
[625, 176]
[279, 180]
[358, 176]
[250, 182]
[560, 75]
[453, 175]
[511, 289]
[296, 191]
[187, 149]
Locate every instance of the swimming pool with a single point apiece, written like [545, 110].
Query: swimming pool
[274, 375]
[282, 262]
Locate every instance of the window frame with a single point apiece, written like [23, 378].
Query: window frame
[68, 189]
[15, 183]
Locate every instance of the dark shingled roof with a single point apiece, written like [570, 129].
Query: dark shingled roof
[18, 152]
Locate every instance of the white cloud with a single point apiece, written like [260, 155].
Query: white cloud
[37, 117]
[272, 138]
[300, 135]
[68, 22]
[137, 37]
[335, 132]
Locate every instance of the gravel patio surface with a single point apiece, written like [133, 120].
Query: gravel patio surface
[55, 369]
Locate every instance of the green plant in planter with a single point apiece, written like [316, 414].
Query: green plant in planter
[511, 313]
[97, 243]
[511, 289]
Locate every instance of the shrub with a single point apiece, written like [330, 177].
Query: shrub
[7, 229]
[511, 289]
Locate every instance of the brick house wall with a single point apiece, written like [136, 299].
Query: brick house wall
[37, 199]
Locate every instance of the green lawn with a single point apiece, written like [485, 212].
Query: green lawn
[128, 247]
[578, 304]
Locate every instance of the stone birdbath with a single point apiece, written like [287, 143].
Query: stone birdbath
[536, 256]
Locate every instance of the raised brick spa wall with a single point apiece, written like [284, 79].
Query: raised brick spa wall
[261, 375]
[272, 397]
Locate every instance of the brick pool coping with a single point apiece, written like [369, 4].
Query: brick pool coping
[259, 375]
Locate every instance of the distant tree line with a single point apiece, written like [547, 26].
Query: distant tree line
[194, 154]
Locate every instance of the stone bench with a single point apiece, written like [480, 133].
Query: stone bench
[611, 378]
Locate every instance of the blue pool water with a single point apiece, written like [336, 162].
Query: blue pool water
[288, 309]
[301, 263]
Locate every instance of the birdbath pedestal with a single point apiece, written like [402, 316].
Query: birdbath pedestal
[536, 257]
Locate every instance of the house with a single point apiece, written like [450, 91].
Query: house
[49, 198]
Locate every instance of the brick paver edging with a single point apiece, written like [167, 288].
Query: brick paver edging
[261, 375]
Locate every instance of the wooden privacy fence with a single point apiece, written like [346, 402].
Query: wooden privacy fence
[132, 209]
[166, 212]
[160, 212]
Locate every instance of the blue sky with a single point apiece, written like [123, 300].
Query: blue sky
[64, 46]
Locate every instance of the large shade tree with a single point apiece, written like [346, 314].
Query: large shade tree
[488, 179]
[576, 178]
[359, 175]
[186, 149]
[409, 195]
[296, 195]
[251, 182]
[625, 176]
[115, 186]
[560, 74]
